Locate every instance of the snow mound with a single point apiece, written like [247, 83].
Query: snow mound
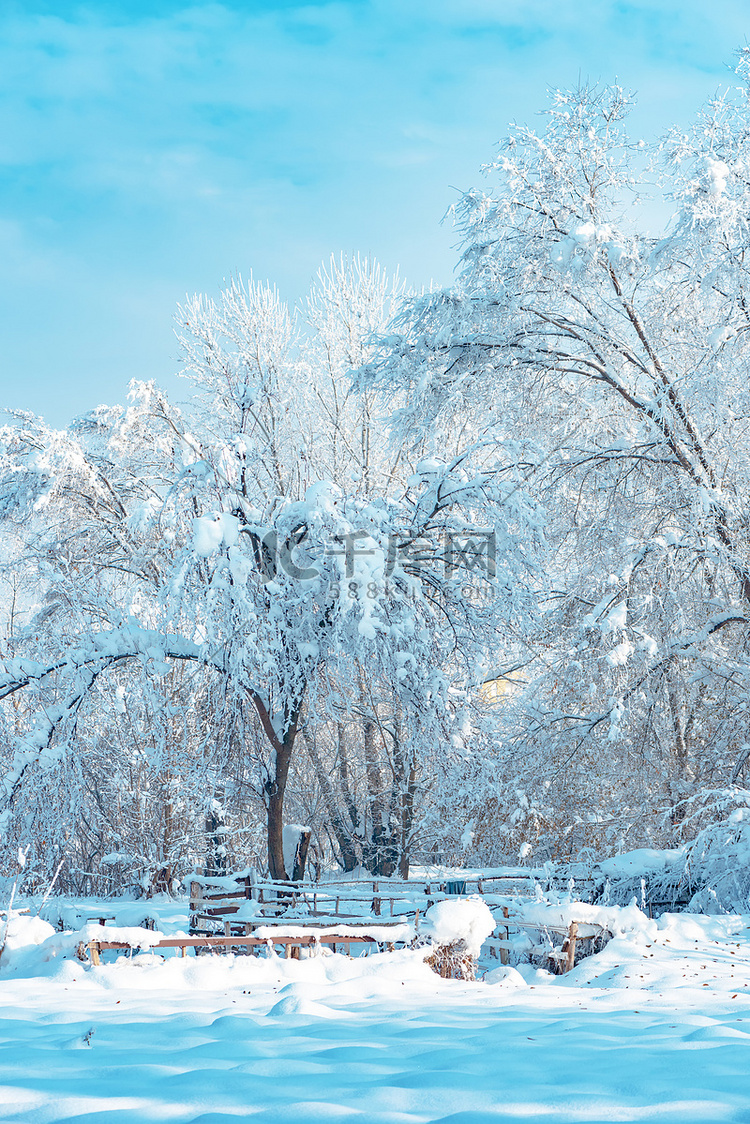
[25, 937]
[24, 931]
[614, 919]
[505, 975]
[302, 999]
[465, 919]
[644, 860]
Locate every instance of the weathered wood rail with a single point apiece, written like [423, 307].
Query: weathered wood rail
[292, 943]
[211, 903]
[94, 948]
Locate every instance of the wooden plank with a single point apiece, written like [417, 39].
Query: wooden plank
[504, 951]
[322, 921]
[571, 948]
[238, 940]
[585, 929]
[204, 904]
[228, 896]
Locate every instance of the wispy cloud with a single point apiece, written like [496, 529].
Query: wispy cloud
[147, 149]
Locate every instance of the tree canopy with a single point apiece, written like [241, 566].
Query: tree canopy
[465, 569]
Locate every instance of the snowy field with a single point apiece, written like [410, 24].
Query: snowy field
[656, 1027]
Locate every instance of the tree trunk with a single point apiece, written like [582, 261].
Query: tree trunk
[216, 851]
[275, 818]
[275, 787]
[378, 857]
[343, 761]
[407, 821]
[300, 856]
[336, 818]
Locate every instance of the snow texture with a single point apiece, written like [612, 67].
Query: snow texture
[654, 1028]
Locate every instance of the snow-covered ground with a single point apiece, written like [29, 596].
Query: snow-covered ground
[655, 1027]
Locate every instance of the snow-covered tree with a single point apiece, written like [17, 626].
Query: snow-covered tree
[216, 539]
[611, 366]
[321, 578]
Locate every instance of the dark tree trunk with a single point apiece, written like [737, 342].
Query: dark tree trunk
[300, 856]
[407, 822]
[275, 815]
[349, 802]
[216, 851]
[405, 778]
[379, 856]
[276, 785]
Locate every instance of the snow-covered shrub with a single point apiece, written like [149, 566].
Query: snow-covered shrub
[654, 878]
[717, 865]
[452, 962]
[457, 930]
[707, 874]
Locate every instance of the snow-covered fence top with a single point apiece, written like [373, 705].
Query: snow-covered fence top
[216, 897]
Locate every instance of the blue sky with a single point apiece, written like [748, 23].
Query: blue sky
[148, 150]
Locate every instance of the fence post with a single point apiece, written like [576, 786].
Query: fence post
[570, 945]
[504, 951]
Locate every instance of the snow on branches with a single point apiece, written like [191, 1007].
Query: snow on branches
[367, 599]
[605, 365]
